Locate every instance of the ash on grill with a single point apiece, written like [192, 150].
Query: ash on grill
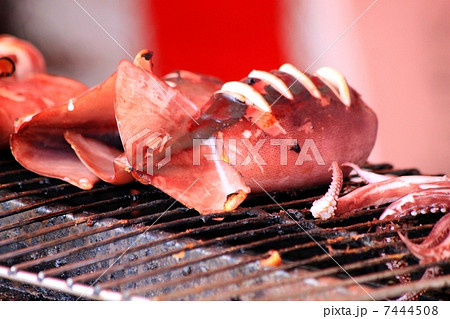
[133, 242]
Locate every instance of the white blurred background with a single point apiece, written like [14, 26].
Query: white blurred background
[397, 55]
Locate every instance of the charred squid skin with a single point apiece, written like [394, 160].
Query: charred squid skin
[273, 80]
[325, 207]
[144, 60]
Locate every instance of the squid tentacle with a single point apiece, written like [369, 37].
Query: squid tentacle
[429, 273]
[368, 177]
[326, 205]
[432, 200]
[432, 192]
[409, 195]
[436, 246]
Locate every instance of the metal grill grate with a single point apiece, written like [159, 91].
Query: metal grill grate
[131, 242]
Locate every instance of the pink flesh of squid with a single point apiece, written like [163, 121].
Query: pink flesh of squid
[31, 95]
[206, 187]
[324, 207]
[368, 177]
[27, 58]
[144, 103]
[28, 90]
[387, 191]
[383, 192]
[146, 114]
[40, 146]
[436, 246]
[103, 160]
[196, 87]
[422, 202]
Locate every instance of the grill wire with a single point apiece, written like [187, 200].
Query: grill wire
[119, 242]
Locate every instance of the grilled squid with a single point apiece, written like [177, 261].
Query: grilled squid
[271, 131]
[408, 194]
[204, 142]
[25, 88]
[78, 141]
[436, 247]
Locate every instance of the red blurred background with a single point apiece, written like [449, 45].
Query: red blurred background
[224, 38]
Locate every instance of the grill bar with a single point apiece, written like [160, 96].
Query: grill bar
[48, 258]
[164, 255]
[34, 192]
[60, 285]
[368, 278]
[392, 292]
[98, 244]
[45, 202]
[181, 280]
[292, 265]
[130, 249]
[13, 172]
[110, 284]
[22, 183]
[58, 241]
[119, 242]
[60, 212]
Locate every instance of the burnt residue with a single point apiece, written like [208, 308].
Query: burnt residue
[249, 81]
[296, 148]
[148, 56]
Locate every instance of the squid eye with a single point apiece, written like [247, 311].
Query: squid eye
[144, 60]
[148, 55]
[7, 67]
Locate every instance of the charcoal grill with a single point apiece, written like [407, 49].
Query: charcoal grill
[134, 242]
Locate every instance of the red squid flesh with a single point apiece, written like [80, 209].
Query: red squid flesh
[24, 87]
[203, 142]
